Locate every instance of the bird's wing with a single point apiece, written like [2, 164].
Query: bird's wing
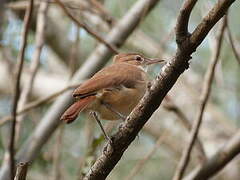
[116, 75]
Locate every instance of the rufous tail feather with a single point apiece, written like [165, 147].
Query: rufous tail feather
[72, 112]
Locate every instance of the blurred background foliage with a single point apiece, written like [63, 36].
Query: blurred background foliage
[64, 152]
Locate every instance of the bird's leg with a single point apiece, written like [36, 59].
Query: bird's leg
[95, 116]
[109, 107]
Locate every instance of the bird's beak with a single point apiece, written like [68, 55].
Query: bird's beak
[153, 61]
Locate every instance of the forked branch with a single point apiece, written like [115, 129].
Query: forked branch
[154, 96]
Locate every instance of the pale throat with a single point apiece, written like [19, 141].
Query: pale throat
[144, 67]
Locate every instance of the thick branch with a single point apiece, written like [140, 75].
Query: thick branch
[21, 173]
[218, 160]
[183, 19]
[151, 100]
[209, 21]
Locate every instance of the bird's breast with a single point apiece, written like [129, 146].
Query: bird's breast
[122, 99]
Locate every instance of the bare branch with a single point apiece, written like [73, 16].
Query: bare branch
[234, 49]
[112, 153]
[41, 25]
[209, 21]
[22, 5]
[87, 28]
[27, 89]
[102, 12]
[170, 106]
[20, 62]
[218, 161]
[57, 154]
[38, 103]
[54, 29]
[203, 101]
[75, 53]
[183, 19]
[21, 173]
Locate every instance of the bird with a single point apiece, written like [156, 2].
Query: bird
[114, 91]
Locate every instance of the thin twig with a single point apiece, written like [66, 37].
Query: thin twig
[152, 129]
[143, 161]
[57, 154]
[237, 56]
[38, 103]
[20, 62]
[75, 54]
[170, 106]
[203, 101]
[22, 5]
[21, 173]
[27, 89]
[102, 12]
[87, 28]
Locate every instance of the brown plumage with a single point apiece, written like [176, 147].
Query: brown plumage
[120, 85]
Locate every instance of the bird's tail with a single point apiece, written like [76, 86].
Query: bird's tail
[72, 112]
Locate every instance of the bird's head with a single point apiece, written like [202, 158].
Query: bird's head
[135, 59]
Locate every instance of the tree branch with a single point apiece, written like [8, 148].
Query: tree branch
[203, 101]
[170, 106]
[20, 61]
[209, 21]
[31, 105]
[21, 173]
[182, 21]
[27, 89]
[218, 161]
[154, 96]
[237, 55]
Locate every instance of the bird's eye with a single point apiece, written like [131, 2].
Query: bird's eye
[138, 58]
